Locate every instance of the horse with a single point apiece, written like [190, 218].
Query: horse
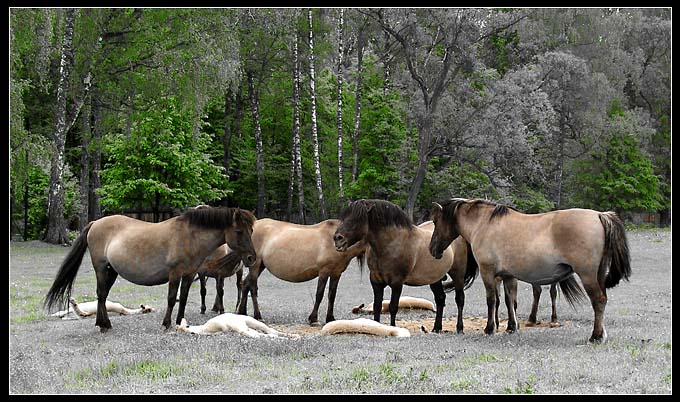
[152, 254]
[405, 303]
[363, 326]
[539, 249]
[397, 254]
[240, 324]
[221, 264]
[298, 253]
[79, 310]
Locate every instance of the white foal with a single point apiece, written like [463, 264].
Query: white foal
[405, 303]
[77, 310]
[363, 326]
[242, 324]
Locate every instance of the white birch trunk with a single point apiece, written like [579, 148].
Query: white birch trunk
[341, 190]
[259, 161]
[315, 137]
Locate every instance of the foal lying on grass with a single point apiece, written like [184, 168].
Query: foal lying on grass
[363, 326]
[242, 324]
[405, 303]
[77, 310]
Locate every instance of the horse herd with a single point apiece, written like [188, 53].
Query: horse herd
[466, 237]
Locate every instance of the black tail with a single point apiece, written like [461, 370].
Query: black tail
[362, 260]
[471, 271]
[471, 268]
[227, 265]
[60, 292]
[572, 291]
[615, 250]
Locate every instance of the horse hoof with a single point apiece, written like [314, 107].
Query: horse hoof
[103, 330]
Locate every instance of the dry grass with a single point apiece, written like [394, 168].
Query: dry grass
[137, 356]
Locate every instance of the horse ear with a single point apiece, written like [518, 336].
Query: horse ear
[369, 205]
[437, 206]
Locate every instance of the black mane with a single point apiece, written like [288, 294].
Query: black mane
[449, 207]
[218, 218]
[382, 214]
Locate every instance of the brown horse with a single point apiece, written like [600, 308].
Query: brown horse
[220, 264]
[539, 249]
[397, 255]
[298, 253]
[152, 254]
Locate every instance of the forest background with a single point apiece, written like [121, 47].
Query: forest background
[291, 112]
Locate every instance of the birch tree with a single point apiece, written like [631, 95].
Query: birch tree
[341, 191]
[315, 135]
[296, 156]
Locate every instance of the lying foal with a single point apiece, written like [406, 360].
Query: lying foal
[363, 326]
[405, 303]
[242, 324]
[77, 310]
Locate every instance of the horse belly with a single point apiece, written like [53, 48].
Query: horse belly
[146, 275]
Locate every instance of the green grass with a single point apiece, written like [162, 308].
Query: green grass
[523, 387]
[462, 384]
[153, 370]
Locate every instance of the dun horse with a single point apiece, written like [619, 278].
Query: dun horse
[298, 253]
[152, 254]
[398, 255]
[221, 264]
[538, 248]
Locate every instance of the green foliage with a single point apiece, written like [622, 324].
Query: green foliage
[531, 201]
[455, 180]
[619, 177]
[161, 163]
[383, 132]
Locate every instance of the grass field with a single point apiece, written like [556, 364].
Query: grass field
[51, 356]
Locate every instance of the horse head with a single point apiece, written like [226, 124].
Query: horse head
[445, 226]
[239, 238]
[353, 224]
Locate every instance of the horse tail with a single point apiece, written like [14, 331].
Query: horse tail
[361, 258]
[471, 268]
[60, 292]
[572, 291]
[227, 265]
[616, 253]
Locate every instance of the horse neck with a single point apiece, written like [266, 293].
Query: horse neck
[472, 220]
[378, 239]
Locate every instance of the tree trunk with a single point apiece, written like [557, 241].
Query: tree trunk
[259, 161]
[315, 137]
[361, 40]
[424, 136]
[559, 167]
[226, 137]
[341, 190]
[56, 224]
[85, 164]
[96, 157]
[295, 159]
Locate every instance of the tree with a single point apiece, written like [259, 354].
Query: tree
[161, 163]
[315, 134]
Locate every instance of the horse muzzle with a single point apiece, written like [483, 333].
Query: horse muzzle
[249, 260]
[340, 242]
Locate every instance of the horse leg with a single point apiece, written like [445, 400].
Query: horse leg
[249, 283]
[332, 291]
[173, 284]
[320, 287]
[106, 276]
[510, 287]
[394, 302]
[239, 277]
[202, 280]
[534, 306]
[378, 292]
[598, 298]
[491, 286]
[439, 299]
[498, 303]
[459, 282]
[184, 294]
[553, 297]
[218, 305]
